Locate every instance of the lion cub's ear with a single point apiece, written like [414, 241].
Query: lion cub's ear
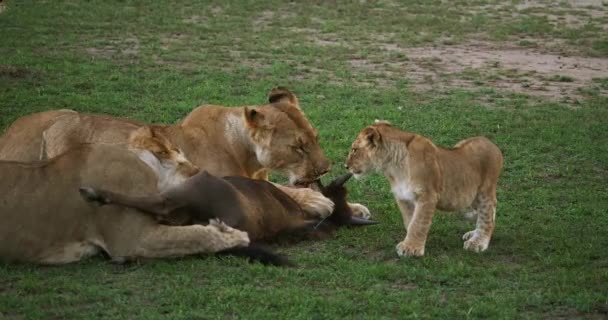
[282, 94]
[373, 136]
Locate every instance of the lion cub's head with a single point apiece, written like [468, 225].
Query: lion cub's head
[284, 140]
[167, 161]
[370, 152]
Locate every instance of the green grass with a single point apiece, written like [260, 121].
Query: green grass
[156, 60]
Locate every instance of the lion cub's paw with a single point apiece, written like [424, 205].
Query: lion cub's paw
[360, 210]
[473, 242]
[469, 235]
[405, 249]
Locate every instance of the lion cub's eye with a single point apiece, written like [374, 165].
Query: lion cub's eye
[163, 153]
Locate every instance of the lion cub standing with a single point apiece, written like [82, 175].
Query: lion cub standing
[424, 177]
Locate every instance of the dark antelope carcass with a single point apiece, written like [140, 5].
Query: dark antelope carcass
[251, 205]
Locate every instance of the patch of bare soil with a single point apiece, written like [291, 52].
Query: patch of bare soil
[571, 13]
[572, 313]
[13, 72]
[125, 47]
[486, 65]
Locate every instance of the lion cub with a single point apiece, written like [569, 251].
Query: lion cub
[424, 177]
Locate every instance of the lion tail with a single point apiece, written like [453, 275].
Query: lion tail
[257, 253]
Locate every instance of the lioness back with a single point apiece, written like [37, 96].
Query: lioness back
[22, 140]
[69, 131]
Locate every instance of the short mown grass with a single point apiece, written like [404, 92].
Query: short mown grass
[156, 60]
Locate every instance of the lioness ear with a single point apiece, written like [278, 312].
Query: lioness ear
[282, 94]
[373, 136]
[254, 118]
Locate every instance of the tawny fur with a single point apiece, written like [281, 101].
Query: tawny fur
[45, 220]
[23, 140]
[246, 141]
[252, 205]
[424, 177]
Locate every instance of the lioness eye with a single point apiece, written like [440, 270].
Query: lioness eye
[353, 150]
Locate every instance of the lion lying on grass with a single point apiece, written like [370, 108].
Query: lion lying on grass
[425, 177]
[45, 220]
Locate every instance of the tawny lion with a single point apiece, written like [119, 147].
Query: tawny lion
[45, 220]
[424, 177]
[247, 141]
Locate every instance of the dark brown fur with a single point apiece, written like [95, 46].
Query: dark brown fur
[254, 206]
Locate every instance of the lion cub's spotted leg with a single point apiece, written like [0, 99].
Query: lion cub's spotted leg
[478, 240]
[419, 226]
[407, 211]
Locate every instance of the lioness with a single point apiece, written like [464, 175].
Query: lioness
[45, 220]
[424, 177]
[226, 141]
[23, 140]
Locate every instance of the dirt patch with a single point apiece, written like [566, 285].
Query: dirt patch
[488, 65]
[404, 286]
[128, 47]
[195, 19]
[562, 312]
[13, 72]
[263, 19]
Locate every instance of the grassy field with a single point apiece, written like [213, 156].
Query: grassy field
[532, 76]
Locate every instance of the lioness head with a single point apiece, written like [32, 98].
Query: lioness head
[284, 140]
[369, 152]
[158, 152]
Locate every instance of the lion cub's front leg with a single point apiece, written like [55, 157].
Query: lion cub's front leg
[417, 225]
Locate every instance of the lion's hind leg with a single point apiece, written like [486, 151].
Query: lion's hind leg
[478, 240]
[160, 241]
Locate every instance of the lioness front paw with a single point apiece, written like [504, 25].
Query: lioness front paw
[405, 249]
[236, 237]
[474, 242]
[360, 210]
[316, 204]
